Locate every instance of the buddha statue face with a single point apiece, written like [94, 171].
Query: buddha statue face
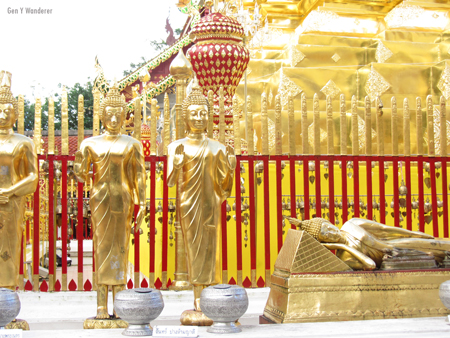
[7, 115]
[113, 118]
[329, 233]
[197, 118]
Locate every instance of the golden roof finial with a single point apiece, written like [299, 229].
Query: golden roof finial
[180, 68]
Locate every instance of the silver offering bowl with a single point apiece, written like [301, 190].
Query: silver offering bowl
[9, 306]
[138, 307]
[224, 304]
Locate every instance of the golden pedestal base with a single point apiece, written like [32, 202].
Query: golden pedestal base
[180, 285]
[319, 297]
[18, 324]
[195, 318]
[112, 323]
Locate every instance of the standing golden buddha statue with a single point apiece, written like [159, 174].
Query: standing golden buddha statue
[119, 184]
[18, 177]
[207, 168]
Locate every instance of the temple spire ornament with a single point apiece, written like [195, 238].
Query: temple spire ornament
[219, 59]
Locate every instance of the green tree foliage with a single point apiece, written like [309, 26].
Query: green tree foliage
[72, 96]
[158, 46]
[134, 66]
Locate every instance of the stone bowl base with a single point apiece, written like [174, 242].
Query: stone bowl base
[220, 327]
[138, 330]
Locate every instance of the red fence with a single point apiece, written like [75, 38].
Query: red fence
[318, 185]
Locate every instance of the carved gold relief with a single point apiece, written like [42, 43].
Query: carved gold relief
[362, 134]
[93, 323]
[270, 98]
[437, 131]
[317, 19]
[382, 53]
[295, 56]
[286, 87]
[402, 14]
[376, 84]
[444, 82]
[322, 135]
[336, 57]
[331, 89]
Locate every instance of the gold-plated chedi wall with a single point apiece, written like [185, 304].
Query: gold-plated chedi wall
[361, 48]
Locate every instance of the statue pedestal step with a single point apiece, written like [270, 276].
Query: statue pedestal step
[111, 323]
[358, 295]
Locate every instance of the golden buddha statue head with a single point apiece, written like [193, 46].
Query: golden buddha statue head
[195, 109]
[113, 109]
[321, 229]
[8, 103]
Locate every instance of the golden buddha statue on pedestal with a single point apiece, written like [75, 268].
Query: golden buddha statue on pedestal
[18, 177]
[207, 169]
[119, 184]
[364, 244]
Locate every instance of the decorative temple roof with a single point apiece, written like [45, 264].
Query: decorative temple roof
[161, 80]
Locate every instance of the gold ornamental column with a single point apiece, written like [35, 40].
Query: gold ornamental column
[96, 119]
[181, 71]
[64, 129]
[51, 126]
[21, 118]
[37, 125]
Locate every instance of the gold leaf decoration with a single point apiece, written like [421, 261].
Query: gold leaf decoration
[362, 134]
[331, 89]
[437, 131]
[382, 53]
[286, 87]
[444, 82]
[336, 57]
[270, 98]
[322, 134]
[295, 56]
[376, 85]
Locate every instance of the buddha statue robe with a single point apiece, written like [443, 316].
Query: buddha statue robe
[18, 170]
[206, 183]
[119, 184]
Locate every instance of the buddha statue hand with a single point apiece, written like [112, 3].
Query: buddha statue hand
[4, 195]
[178, 159]
[78, 166]
[140, 215]
[3, 198]
[231, 158]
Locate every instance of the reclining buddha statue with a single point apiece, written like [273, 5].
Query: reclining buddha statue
[364, 244]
